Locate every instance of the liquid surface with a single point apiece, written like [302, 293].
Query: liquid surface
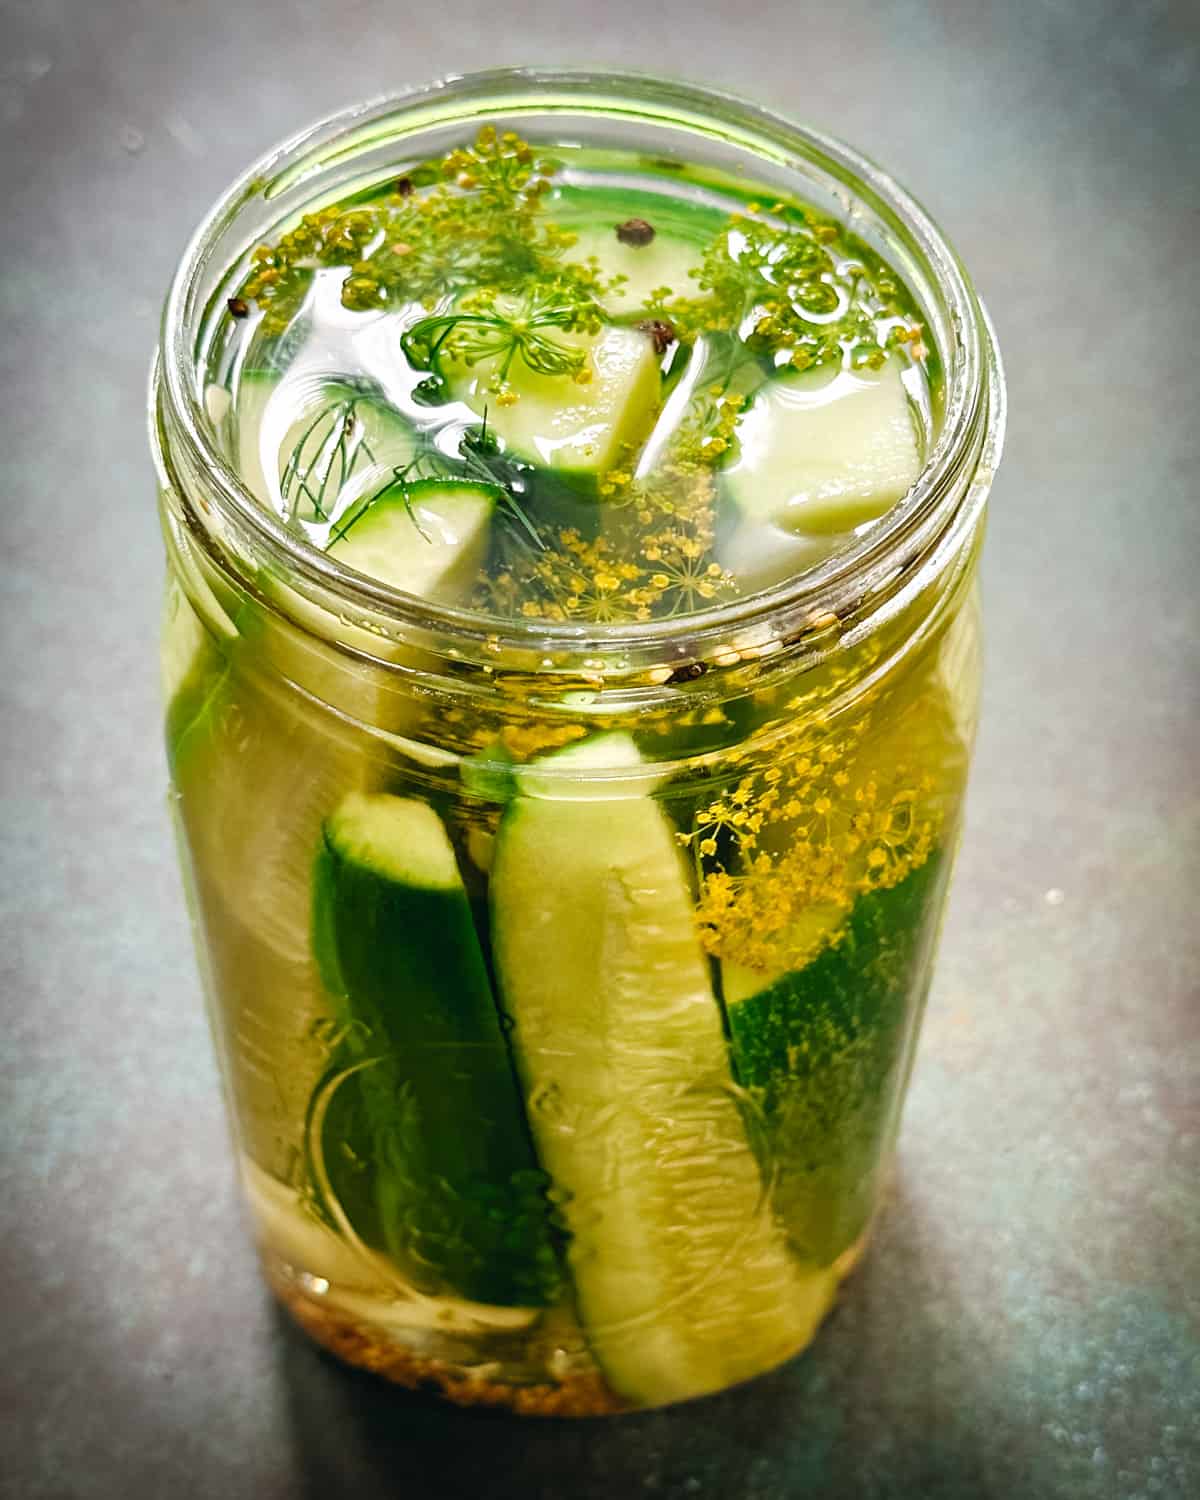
[661, 396]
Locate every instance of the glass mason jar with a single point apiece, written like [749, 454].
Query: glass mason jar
[648, 1182]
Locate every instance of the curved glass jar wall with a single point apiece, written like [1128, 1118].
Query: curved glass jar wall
[565, 979]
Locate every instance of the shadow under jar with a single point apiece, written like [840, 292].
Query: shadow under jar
[565, 964]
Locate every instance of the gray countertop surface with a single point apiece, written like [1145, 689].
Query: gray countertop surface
[1028, 1323]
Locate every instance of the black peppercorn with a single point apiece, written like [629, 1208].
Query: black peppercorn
[635, 232]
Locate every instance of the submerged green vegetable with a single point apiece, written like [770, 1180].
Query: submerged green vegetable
[443, 1178]
[820, 1052]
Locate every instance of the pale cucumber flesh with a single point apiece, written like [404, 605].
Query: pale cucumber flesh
[428, 538]
[665, 262]
[682, 1279]
[581, 427]
[681, 233]
[823, 453]
[252, 781]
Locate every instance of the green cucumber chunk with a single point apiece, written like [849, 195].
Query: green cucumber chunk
[459, 1202]
[644, 269]
[821, 1053]
[820, 454]
[428, 538]
[683, 1281]
[560, 423]
[681, 233]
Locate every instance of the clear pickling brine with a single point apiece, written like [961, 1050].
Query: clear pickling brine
[571, 663]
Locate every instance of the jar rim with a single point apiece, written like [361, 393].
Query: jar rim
[944, 500]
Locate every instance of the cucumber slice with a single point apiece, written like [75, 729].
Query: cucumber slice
[682, 229]
[664, 262]
[428, 538]
[459, 1201]
[821, 1053]
[561, 424]
[605, 767]
[683, 1282]
[904, 769]
[822, 454]
[763, 554]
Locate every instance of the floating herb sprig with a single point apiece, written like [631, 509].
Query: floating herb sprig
[506, 328]
[482, 461]
[334, 439]
[478, 461]
[474, 219]
[791, 289]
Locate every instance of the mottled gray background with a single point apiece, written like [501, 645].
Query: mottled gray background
[1028, 1323]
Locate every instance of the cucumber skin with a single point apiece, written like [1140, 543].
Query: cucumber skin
[821, 1052]
[459, 1201]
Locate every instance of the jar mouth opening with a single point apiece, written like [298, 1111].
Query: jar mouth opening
[863, 570]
